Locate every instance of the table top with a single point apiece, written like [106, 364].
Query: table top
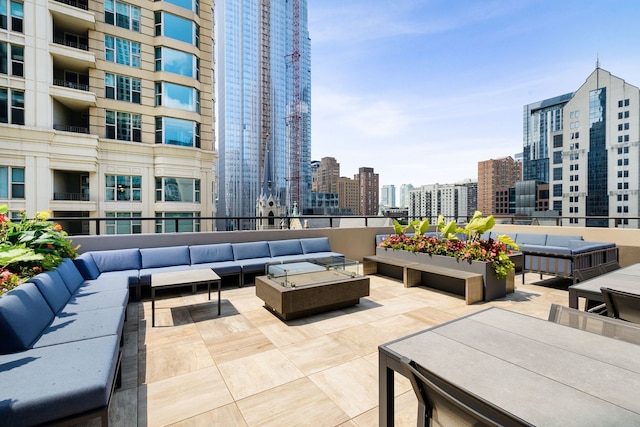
[624, 279]
[174, 278]
[540, 371]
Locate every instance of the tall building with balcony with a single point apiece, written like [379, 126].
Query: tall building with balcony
[106, 111]
[495, 178]
[264, 105]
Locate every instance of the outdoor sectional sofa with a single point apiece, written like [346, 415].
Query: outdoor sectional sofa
[61, 332]
[226, 259]
[60, 347]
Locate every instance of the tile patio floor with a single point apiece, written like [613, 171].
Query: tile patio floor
[248, 368]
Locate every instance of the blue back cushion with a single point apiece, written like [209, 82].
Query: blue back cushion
[315, 244]
[53, 289]
[531, 239]
[117, 260]
[165, 257]
[70, 275]
[556, 240]
[250, 250]
[285, 247]
[24, 314]
[87, 266]
[211, 253]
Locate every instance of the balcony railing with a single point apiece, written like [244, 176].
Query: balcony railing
[71, 196]
[75, 45]
[70, 84]
[84, 5]
[75, 129]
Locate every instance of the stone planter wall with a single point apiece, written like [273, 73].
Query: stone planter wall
[493, 287]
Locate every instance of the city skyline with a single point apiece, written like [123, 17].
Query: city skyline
[449, 81]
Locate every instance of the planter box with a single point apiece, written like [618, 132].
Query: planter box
[493, 287]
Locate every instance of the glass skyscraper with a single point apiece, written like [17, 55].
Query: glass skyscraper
[264, 106]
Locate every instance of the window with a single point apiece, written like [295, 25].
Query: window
[120, 226]
[11, 182]
[192, 5]
[177, 62]
[13, 114]
[122, 15]
[177, 190]
[123, 126]
[11, 59]
[168, 225]
[122, 88]
[177, 96]
[122, 51]
[13, 9]
[177, 28]
[123, 188]
[177, 132]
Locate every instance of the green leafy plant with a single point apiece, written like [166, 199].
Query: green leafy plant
[447, 242]
[30, 246]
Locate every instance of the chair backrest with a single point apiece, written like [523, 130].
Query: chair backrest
[442, 399]
[595, 323]
[622, 305]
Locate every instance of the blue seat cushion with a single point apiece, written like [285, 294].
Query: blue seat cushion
[53, 289]
[117, 259]
[87, 266]
[285, 247]
[68, 327]
[70, 275]
[58, 381]
[249, 250]
[145, 273]
[223, 268]
[315, 244]
[211, 253]
[24, 314]
[165, 257]
[96, 300]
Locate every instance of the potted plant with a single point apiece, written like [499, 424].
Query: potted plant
[29, 246]
[457, 247]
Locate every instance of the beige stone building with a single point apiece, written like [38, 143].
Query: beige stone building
[106, 110]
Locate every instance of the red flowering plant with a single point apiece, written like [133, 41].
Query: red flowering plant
[29, 246]
[461, 243]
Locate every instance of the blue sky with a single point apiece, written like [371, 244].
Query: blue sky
[421, 90]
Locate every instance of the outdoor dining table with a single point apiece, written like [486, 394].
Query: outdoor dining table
[625, 279]
[542, 372]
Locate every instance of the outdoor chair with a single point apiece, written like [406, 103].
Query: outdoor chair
[595, 323]
[441, 403]
[622, 305]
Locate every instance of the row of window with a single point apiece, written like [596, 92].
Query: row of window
[168, 223]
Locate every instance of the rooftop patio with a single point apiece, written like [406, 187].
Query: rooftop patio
[248, 368]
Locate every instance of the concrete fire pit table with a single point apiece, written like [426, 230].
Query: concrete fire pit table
[296, 289]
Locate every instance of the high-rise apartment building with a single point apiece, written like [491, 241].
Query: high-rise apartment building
[388, 196]
[325, 177]
[368, 191]
[349, 195]
[404, 195]
[592, 143]
[495, 178]
[264, 105]
[107, 111]
[430, 201]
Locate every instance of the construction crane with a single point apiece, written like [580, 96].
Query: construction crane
[295, 113]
